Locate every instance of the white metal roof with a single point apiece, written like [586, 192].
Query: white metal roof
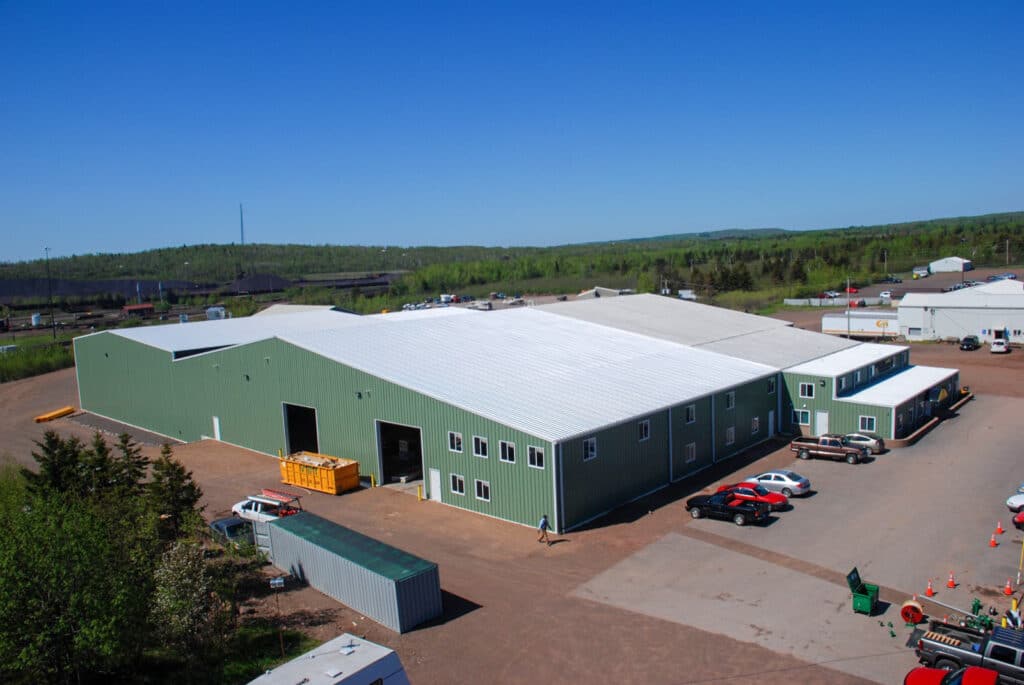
[1002, 294]
[901, 387]
[276, 309]
[336, 661]
[225, 332]
[781, 347]
[847, 360]
[681, 321]
[551, 376]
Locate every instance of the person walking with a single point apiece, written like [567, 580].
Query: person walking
[542, 529]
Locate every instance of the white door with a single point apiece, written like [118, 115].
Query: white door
[435, 485]
[216, 428]
[771, 422]
[820, 422]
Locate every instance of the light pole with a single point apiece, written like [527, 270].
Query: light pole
[49, 292]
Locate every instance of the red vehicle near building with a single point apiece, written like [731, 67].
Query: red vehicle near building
[753, 492]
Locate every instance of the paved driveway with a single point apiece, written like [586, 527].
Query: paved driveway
[910, 515]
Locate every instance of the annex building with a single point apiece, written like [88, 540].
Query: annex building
[991, 311]
[569, 409]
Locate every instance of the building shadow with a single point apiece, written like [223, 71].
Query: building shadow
[453, 607]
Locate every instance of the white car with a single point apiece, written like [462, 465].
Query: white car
[998, 347]
[267, 506]
[788, 483]
[1015, 503]
[885, 294]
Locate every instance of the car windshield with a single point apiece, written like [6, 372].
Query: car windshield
[235, 530]
[790, 475]
[760, 489]
[954, 678]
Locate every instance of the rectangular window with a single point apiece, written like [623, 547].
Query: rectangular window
[730, 435]
[730, 400]
[483, 490]
[771, 386]
[807, 390]
[691, 413]
[842, 383]
[479, 447]
[690, 453]
[802, 417]
[644, 430]
[458, 484]
[873, 371]
[867, 423]
[856, 377]
[755, 425]
[508, 452]
[913, 331]
[454, 441]
[589, 449]
[536, 457]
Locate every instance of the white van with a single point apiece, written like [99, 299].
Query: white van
[922, 272]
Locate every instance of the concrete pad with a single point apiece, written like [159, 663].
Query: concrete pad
[688, 581]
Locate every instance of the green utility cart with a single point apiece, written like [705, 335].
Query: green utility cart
[865, 595]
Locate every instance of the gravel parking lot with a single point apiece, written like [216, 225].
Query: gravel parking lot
[649, 595]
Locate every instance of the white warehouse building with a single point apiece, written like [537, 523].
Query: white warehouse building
[991, 312]
[950, 265]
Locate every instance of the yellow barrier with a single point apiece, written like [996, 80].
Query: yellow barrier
[332, 475]
[56, 414]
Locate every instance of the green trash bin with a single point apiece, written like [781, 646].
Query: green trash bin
[865, 595]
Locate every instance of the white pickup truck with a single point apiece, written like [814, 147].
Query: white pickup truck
[267, 506]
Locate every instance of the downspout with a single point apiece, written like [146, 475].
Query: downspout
[714, 432]
[671, 453]
[559, 489]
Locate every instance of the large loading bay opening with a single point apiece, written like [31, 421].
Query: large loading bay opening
[401, 452]
[300, 428]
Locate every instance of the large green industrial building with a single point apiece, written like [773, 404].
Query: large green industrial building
[568, 410]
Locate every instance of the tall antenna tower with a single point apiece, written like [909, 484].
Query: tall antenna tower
[241, 222]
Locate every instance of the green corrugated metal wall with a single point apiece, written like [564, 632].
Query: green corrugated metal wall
[245, 387]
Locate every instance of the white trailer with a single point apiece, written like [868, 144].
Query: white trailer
[861, 324]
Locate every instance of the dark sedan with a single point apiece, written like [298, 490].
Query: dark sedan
[970, 343]
[723, 505]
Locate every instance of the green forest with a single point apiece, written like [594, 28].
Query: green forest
[738, 268]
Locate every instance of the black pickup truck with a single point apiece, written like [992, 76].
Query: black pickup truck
[723, 505]
[950, 647]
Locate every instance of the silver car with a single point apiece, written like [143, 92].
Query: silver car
[789, 483]
[873, 442]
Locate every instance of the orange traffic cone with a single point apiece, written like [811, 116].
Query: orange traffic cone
[951, 583]
[930, 592]
[992, 541]
[945, 618]
[1008, 590]
[999, 528]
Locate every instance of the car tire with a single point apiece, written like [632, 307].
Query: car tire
[739, 519]
[852, 459]
[787, 492]
[803, 454]
[947, 665]
[696, 513]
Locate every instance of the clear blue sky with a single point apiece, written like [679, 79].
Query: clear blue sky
[138, 125]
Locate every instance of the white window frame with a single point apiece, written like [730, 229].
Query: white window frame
[532, 454]
[691, 413]
[730, 435]
[454, 441]
[730, 399]
[797, 415]
[507, 452]
[589, 449]
[805, 388]
[870, 419]
[856, 377]
[842, 383]
[454, 479]
[480, 446]
[755, 425]
[690, 453]
[771, 386]
[486, 484]
[643, 430]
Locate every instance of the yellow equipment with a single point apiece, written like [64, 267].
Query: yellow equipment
[333, 475]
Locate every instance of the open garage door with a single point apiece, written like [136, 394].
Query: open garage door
[300, 431]
[401, 452]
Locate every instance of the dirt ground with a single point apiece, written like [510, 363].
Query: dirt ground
[512, 611]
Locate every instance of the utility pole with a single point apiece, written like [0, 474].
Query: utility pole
[885, 258]
[1007, 251]
[49, 292]
[241, 223]
[847, 307]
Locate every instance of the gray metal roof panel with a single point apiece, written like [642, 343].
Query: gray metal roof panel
[902, 387]
[547, 375]
[847, 360]
[780, 348]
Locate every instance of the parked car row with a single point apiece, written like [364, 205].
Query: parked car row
[751, 500]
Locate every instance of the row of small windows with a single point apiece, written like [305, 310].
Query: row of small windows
[802, 417]
[506, 450]
[483, 487]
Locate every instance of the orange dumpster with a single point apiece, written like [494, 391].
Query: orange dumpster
[333, 475]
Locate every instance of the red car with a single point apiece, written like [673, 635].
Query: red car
[852, 289]
[754, 492]
[972, 675]
[1018, 521]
